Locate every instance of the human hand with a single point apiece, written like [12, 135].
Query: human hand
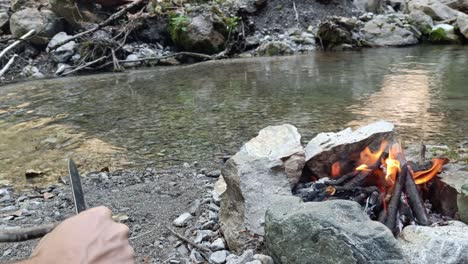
[89, 237]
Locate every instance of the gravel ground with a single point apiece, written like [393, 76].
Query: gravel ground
[150, 198]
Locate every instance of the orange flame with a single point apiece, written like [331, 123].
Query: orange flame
[392, 163]
[421, 177]
[369, 158]
[336, 169]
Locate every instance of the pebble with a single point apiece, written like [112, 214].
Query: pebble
[203, 235]
[196, 257]
[218, 244]
[213, 207]
[254, 262]
[244, 258]
[9, 208]
[209, 225]
[186, 165]
[219, 257]
[195, 207]
[7, 252]
[182, 220]
[213, 216]
[264, 259]
[214, 174]
[183, 250]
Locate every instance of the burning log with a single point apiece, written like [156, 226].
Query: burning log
[392, 210]
[414, 199]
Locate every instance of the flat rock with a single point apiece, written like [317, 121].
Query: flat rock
[218, 244]
[218, 257]
[246, 256]
[391, 30]
[440, 244]
[253, 177]
[335, 231]
[182, 220]
[326, 148]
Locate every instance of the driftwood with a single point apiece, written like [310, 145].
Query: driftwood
[23, 234]
[16, 43]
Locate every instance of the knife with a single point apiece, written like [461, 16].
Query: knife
[77, 190]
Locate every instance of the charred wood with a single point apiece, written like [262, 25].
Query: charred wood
[391, 219]
[414, 199]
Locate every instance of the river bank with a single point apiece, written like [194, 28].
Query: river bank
[68, 38]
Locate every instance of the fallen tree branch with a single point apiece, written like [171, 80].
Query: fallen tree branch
[200, 247]
[84, 66]
[106, 22]
[16, 43]
[8, 65]
[23, 234]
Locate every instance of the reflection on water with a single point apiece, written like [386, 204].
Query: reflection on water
[168, 116]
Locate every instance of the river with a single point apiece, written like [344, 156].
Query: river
[166, 116]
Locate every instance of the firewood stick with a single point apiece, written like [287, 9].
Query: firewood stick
[415, 202]
[23, 234]
[395, 200]
[341, 180]
[422, 154]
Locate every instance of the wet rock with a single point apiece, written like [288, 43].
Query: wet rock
[130, 61]
[462, 23]
[31, 71]
[334, 32]
[214, 174]
[253, 177]
[242, 259]
[63, 53]
[264, 259]
[44, 21]
[327, 148]
[444, 34]
[421, 21]
[218, 244]
[218, 257]
[274, 48]
[200, 36]
[440, 244]
[391, 30]
[335, 231]
[433, 8]
[182, 220]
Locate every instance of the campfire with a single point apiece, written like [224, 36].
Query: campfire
[388, 186]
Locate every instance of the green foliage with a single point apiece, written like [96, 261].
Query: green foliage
[232, 22]
[177, 25]
[438, 34]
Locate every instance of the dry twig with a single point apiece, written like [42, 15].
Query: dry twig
[16, 43]
[23, 234]
[8, 65]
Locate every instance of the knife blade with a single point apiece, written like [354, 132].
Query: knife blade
[77, 190]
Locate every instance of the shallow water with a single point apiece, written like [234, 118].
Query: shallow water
[161, 117]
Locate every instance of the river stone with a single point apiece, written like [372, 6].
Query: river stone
[334, 231]
[441, 244]
[460, 5]
[332, 33]
[43, 21]
[274, 48]
[200, 36]
[326, 148]
[391, 30]
[21, 4]
[462, 23]
[374, 6]
[434, 8]
[254, 176]
[63, 53]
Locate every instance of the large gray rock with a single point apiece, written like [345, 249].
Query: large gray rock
[274, 48]
[200, 36]
[434, 8]
[63, 53]
[391, 30]
[254, 177]
[327, 148]
[77, 16]
[374, 6]
[460, 5]
[421, 21]
[335, 231]
[44, 21]
[462, 23]
[338, 31]
[441, 244]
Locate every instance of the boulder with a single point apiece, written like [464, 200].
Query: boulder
[421, 21]
[17, 5]
[460, 5]
[199, 35]
[391, 30]
[374, 6]
[44, 21]
[462, 23]
[249, 6]
[446, 244]
[434, 8]
[444, 34]
[455, 182]
[337, 31]
[77, 16]
[335, 231]
[327, 148]
[274, 48]
[63, 53]
[254, 177]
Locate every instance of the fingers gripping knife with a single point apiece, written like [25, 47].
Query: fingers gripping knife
[23, 234]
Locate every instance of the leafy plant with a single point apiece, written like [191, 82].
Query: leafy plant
[232, 22]
[438, 34]
[177, 25]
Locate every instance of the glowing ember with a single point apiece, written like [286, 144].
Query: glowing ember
[336, 169]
